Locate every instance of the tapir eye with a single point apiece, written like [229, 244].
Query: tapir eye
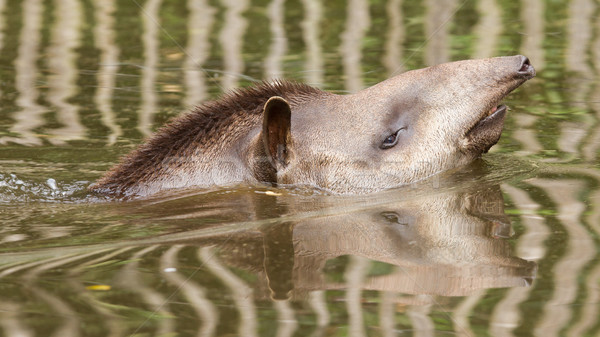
[396, 219]
[391, 140]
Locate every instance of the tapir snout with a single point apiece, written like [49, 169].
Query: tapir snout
[399, 131]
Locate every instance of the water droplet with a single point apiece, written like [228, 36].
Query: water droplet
[51, 183]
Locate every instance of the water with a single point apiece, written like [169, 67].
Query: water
[507, 246]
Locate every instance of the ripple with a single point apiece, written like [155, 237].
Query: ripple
[15, 189]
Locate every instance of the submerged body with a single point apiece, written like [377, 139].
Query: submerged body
[399, 131]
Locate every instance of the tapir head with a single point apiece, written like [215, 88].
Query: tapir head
[399, 131]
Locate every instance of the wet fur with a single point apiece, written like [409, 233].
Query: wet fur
[203, 131]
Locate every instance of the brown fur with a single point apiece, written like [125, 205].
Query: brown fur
[240, 110]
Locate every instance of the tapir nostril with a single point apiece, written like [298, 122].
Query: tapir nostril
[526, 68]
[525, 64]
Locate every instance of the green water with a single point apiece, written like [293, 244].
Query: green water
[508, 246]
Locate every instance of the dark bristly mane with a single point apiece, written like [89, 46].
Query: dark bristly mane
[204, 127]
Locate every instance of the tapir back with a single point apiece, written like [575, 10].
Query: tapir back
[215, 144]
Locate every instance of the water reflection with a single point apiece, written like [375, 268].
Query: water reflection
[505, 318]
[29, 116]
[278, 46]
[130, 279]
[531, 45]
[311, 35]
[410, 251]
[580, 251]
[533, 32]
[65, 39]
[437, 30]
[104, 35]
[579, 62]
[421, 238]
[197, 51]
[230, 38]
[150, 18]
[241, 293]
[488, 29]
[2, 23]
[357, 23]
[211, 264]
[392, 58]
[580, 30]
[194, 294]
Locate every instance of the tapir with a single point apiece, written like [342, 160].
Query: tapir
[399, 131]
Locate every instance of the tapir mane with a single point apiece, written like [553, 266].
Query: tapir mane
[210, 121]
[203, 130]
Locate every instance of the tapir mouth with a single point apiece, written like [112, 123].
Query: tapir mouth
[495, 115]
[487, 130]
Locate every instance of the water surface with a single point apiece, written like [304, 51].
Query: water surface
[508, 246]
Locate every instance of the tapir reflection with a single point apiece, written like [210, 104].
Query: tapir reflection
[447, 243]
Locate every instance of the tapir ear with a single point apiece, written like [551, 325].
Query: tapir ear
[276, 131]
